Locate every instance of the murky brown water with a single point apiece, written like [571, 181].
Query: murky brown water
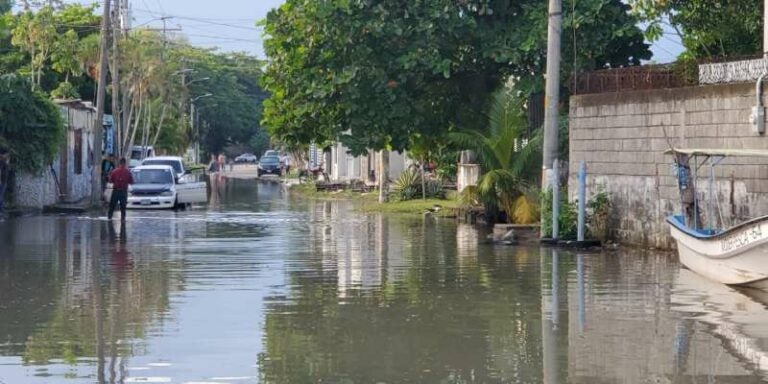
[258, 287]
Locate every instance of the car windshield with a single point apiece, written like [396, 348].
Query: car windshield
[152, 176]
[269, 160]
[137, 155]
[173, 163]
[270, 153]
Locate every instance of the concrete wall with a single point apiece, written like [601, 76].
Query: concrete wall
[467, 175]
[36, 190]
[78, 185]
[59, 182]
[622, 137]
[345, 167]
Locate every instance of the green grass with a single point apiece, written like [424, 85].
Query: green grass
[448, 207]
[369, 201]
[308, 190]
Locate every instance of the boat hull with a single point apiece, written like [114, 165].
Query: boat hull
[738, 256]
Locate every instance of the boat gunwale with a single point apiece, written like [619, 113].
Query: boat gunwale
[675, 221]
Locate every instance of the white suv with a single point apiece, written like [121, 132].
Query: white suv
[175, 162]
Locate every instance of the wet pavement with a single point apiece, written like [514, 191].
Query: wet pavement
[262, 287]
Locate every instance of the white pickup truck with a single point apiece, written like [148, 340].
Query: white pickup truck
[157, 187]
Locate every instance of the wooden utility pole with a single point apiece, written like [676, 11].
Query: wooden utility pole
[116, 121]
[98, 125]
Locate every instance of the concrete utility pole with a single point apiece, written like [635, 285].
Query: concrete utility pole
[552, 96]
[765, 29]
[98, 135]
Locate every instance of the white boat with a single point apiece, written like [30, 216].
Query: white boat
[735, 256]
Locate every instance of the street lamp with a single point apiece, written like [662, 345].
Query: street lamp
[192, 124]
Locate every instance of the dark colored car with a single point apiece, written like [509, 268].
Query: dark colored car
[269, 165]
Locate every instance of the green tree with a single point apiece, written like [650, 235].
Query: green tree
[30, 124]
[374, 74]
[35, 34]
[508, 158]
[259, 142]
[708, 28]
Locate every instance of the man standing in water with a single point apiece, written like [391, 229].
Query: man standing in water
[120, 178]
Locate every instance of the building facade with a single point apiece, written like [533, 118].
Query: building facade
[68, 178]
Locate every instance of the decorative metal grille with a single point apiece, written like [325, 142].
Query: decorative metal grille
[732, 72]
[627, 79]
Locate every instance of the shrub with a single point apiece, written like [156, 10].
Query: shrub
[408, 187]
[566, 219]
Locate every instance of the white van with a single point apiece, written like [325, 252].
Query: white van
[139, 153]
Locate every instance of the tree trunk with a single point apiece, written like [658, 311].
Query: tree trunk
[423, 182]
[159, 126]
[136, 122]
[384, 177]
[127, 127]
[147, 125]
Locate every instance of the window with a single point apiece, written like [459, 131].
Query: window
[78, 152]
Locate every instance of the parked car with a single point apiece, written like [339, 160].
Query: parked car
[269, 165]
[176, 162]
[157, 187]
[246, 158]
[139, 153]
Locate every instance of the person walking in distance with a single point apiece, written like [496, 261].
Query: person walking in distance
[120, 178]
[287, 164]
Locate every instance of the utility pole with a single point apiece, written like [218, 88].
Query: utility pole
[98, 125]
[551, 101]
[765, 29]
[116, 110]
[552, 96]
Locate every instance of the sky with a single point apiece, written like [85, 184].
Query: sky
[230, 25]
[227, 24]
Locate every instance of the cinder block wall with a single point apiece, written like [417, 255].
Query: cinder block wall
[622, 137]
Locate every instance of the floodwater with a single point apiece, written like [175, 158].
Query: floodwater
[261, 287]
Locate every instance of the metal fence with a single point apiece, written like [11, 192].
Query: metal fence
[630, 78]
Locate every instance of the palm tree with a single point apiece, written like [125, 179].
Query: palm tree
[509, 157]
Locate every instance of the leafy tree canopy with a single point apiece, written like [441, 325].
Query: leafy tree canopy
[375, 74]
[708, 28]
[30, 124]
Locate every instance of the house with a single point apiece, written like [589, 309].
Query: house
[68, 178]
[344, 167]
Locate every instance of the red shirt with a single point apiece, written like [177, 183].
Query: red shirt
[120, 178]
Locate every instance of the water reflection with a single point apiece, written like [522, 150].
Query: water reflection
[273, 289]
[65, 309]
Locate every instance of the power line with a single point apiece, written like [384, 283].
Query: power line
[224, 38]
[205, 19]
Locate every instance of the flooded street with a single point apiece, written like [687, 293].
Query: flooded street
[260, 287]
